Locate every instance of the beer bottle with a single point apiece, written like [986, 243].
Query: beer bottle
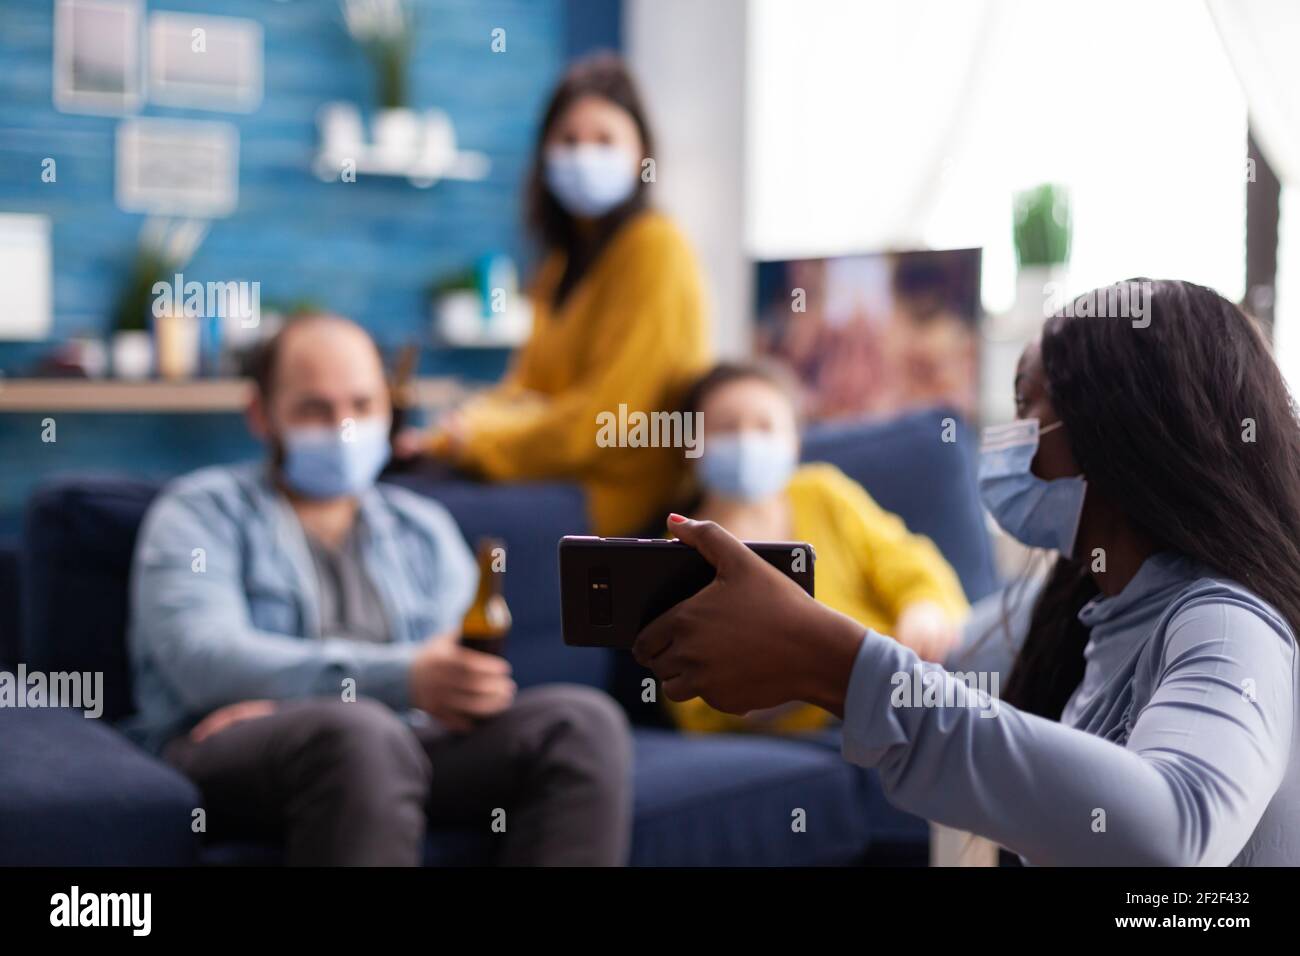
[487, 621]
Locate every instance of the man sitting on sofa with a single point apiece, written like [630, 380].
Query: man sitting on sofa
[294, 642]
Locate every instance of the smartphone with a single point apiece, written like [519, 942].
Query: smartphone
[611, 588]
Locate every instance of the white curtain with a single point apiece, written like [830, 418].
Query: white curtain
[854, 108]
[1262, 38]
[876, 124]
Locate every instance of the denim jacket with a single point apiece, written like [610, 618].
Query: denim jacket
[224, 604]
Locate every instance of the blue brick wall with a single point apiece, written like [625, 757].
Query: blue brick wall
[368, 249]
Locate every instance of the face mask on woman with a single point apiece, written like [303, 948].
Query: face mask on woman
[329, 462]
[590, 179]
[1037, 513]
[747, 465]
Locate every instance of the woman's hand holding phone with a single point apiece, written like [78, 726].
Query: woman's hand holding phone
[752, 638]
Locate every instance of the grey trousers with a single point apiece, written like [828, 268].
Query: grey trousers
[353, 784]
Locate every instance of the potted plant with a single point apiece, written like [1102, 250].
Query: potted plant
[165, 247]
[1042, 229]
[382, 28]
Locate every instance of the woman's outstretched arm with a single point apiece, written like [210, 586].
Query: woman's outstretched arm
[1205, 756]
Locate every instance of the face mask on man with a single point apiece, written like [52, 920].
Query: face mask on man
[590, 179]
[1036, 512]
[329, 462]
[747, 465]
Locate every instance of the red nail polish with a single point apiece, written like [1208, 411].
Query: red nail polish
[676, 518]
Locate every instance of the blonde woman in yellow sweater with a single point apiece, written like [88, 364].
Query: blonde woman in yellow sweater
[619, 316]
[869, 566]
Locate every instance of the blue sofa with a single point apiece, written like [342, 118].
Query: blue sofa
[75, 791]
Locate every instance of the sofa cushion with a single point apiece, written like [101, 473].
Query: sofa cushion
[730, 800]
[530, 518]
[10, 602]
[77, 793]
[910, 469]
[78, 538]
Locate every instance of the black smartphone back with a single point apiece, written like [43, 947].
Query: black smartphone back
[611, 588]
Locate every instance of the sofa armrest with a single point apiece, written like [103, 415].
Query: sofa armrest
[10, 602]
[75, 792]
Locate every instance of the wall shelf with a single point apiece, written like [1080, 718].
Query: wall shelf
[420, 147]
[42, 395]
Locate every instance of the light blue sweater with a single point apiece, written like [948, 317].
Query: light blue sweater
[1178, 747]
[224, 602]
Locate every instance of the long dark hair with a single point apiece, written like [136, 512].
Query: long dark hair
[604, 75]
[1186, 426]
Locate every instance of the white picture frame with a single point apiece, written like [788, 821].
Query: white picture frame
[26, 267]
[98, 54]
[175, 167]
[205, 62]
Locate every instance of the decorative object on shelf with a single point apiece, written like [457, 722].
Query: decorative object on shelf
[88, 353]
[82, 356]
[344, 151]
[132, 354]
[419, 146]
[383, 29]
[165, 247]
[177, 337]
[482, 307]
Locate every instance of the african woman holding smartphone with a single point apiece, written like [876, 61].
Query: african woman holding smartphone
[1150, 716]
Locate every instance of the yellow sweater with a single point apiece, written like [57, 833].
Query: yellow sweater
[869, 566]
[632, 332]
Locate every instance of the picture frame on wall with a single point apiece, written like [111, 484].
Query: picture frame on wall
[98, 56]
[25, 277]
[178, 167]
[205, 62]
[875, 333]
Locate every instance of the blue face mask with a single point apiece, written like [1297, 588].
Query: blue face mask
[590, 179]
[323, 462]
[1037, 513]
[747, 466]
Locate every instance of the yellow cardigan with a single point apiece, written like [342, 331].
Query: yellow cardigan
[632, 332]
[869, 566]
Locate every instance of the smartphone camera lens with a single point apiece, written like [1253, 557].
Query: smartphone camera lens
[600, 600]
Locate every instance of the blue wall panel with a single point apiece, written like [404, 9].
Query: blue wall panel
[368, 249]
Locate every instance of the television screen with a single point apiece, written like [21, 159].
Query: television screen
[875, 334]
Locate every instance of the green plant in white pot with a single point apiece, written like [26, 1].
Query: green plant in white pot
[165, 246]
[1042, 230]
[383, 30]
